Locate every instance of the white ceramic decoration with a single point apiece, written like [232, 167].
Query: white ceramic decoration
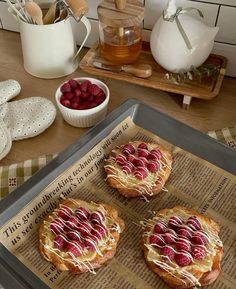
[50, 51]
[180, 41]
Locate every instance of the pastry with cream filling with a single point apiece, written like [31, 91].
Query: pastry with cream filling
[79, 236]
[182, 247]
[138, 168]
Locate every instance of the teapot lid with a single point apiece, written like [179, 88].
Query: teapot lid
[121, 13]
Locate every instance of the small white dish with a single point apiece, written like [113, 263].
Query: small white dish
[85, 117]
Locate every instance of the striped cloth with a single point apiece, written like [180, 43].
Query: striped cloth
[14, 175]
[225, 135]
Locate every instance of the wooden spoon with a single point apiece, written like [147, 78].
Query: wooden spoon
[50, 15]
[34, 11]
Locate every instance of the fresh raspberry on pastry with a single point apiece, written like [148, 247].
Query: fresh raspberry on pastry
[138, 168]
[183, 247]
[79, 236]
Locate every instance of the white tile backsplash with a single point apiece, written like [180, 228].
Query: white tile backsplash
[227, 23]
[225, 41]
[229, 51]
[154, 8]
[80, 31]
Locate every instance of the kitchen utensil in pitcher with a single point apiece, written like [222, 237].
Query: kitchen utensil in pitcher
[14, 11]
[34, 11]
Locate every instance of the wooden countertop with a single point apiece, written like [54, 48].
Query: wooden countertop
[202, 115]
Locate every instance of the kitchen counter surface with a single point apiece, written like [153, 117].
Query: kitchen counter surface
[202, 115]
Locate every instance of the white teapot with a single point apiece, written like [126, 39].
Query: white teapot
[179, 41]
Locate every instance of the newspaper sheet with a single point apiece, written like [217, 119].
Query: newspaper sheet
[194, 183]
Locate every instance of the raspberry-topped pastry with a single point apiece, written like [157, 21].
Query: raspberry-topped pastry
[183, 247]
[138, 168]
[80, 236]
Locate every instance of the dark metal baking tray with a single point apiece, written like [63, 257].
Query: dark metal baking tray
[13, 273]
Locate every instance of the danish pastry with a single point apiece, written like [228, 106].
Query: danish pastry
[79, 236]
[182, 247]
[138, 168]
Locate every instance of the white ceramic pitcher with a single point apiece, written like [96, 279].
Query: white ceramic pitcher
[50, 51]
[178, 52]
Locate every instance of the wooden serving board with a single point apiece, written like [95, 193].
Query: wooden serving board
[206, 89]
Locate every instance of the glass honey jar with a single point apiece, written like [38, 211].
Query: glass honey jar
[120, 30]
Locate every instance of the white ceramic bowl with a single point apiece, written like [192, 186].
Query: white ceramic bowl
[86, 117]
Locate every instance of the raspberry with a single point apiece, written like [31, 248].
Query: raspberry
[57, 226]
[65, 212]
[140, 173]
[142, 145]
[139, 163]
[65, 88]
[101, 94]
[91, 243]
[82, 214]
[160, 227]
[152, 166]
[73, 84]
[155, 155]
[175, 222]
[194, 223]
[199, 252]
[170, 236]
[142, 153]
[69, 95]
[130, 158]
[92, 105]
[84, 229]
[77, 92]
[65, 102]
[128, 149]
[183, 258]
[74, 105]
[127, 168]
[82, 106]
[167, 252]
[156, 240]
[84, 85]
[84, 95]
[93, 89]
[75, 248]
[183, 245]
[60, 242]
[99, 231]
[97, 217]
[99, 99]
[199, 238]
[73, 235]
[185, 232]
[72, 222]
[120, 159]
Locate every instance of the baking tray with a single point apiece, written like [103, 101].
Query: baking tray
[13, 273]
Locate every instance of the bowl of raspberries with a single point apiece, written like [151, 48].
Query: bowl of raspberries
[83, 101]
